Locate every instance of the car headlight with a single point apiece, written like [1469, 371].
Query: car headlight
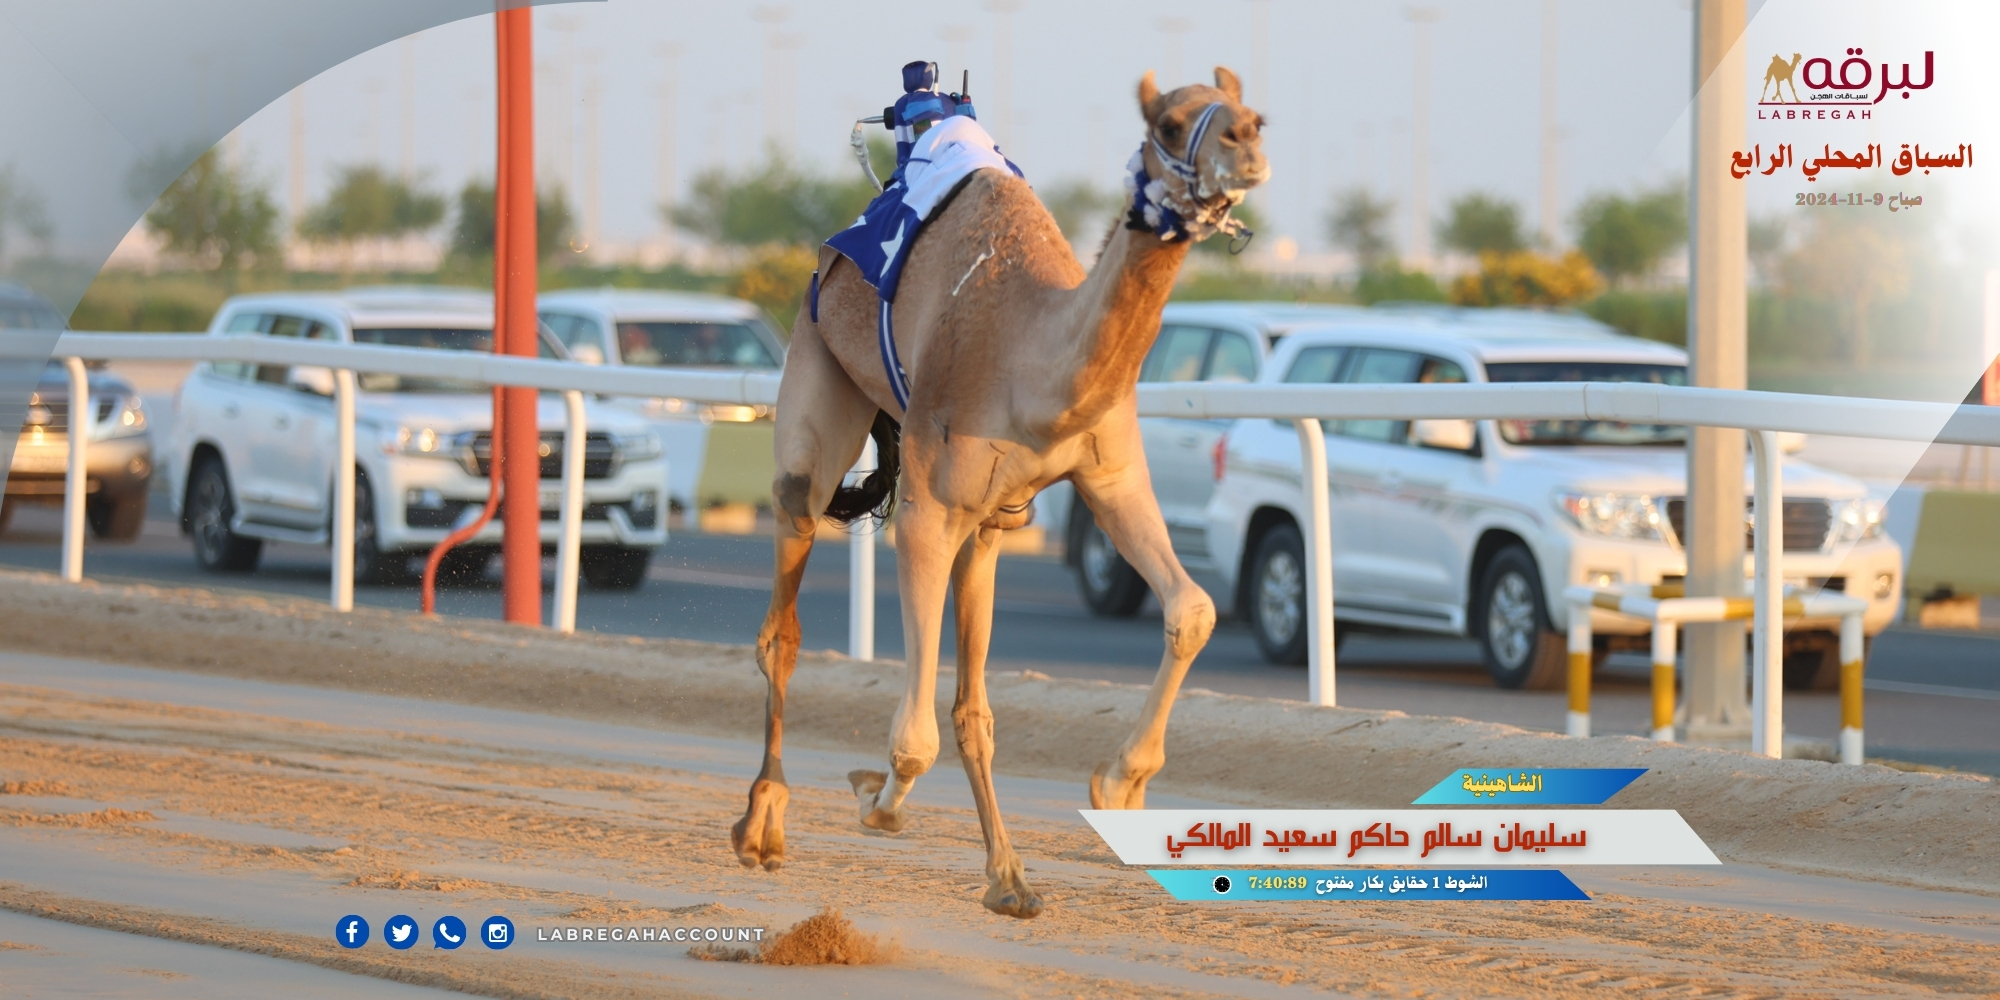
[421, 441]
[116, 417]
[1613, 515]
[1855, 520]
[636, 447]
[664, 407]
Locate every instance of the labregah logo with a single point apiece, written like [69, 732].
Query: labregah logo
[1851, 82]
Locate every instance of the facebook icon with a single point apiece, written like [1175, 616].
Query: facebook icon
[351, 931]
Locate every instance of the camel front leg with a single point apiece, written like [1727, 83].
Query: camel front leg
[1007, 891]
[1125, 507]
[926, 537]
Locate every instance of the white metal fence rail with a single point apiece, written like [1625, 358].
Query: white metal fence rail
[1762, 413]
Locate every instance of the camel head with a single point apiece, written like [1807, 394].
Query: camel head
[1200, 184]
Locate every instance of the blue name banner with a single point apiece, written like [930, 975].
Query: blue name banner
[1366, 883]
[1549, 786]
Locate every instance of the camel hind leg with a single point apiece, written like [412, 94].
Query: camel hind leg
[823, 420]
[1007, 891]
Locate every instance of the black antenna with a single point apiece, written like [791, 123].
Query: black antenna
[965, 85]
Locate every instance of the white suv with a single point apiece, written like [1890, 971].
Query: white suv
[1474, 529]
[253, 450]
[719, 454]
[1198, 342]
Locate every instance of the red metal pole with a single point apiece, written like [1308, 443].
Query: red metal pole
[514, 283]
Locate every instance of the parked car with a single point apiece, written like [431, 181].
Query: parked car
[1475, 528]
[253, 450]
[118, 453]
[717, 454]
[1198, 341]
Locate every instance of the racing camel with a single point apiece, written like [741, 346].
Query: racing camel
[1021, 370]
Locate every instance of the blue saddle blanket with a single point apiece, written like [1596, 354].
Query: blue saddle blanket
[879, 241]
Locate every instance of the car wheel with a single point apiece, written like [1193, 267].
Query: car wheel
[1817, 667]
[614, 567]
[1521, 649]
[1278, 595]
[210, 509]
[116, 519]
[1109, 584]
[372, 566]
[463, 567]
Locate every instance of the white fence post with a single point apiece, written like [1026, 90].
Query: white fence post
[76, 478]
[861, 573]
[1576, 677]
[1767, 643]
[1851, 649]
[343, 490]
[569, 551]
[1319, 566]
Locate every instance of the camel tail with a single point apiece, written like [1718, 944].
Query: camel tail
[876, 495]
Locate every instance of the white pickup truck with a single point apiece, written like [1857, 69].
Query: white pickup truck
[1460, 527]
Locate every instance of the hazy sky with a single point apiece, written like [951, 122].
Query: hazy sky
[1336, 87]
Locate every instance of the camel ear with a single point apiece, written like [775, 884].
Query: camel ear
[1227, 82]
[1149, 96]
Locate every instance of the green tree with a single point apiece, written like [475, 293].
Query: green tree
[1483, 223]
[1359, 221]
[368, 202]
[213, 215]
[1766, 243]
[1857, 259]
[22, 211]
[777, 202]
[1626, 238]
[472, 233]
[1079, 206]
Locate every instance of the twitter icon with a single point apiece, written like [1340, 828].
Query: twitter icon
[400, 932]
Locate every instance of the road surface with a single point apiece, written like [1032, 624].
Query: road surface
[1934, 698]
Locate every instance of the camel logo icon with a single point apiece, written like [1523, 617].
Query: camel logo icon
[1778, 76]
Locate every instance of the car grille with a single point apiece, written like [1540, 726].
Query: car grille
[47, 411]
[447, 515]
[1806, 523]
[600, 456]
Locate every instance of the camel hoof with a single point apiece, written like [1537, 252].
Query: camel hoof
[868, 787]
[1011, 897]
[759, 837]
[1108, 792]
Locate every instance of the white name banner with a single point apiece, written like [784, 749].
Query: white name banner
[1446, 837]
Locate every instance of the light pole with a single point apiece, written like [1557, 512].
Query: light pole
[1551, 195]
[1420, 136]
[1717, 359]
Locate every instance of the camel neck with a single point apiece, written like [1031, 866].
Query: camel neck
[1113, 320]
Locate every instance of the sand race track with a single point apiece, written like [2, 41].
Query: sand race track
[193, 790]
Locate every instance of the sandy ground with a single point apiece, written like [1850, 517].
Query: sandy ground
[279, 766]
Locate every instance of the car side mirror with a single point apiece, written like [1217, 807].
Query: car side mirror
[311, 378]
[1451, 435]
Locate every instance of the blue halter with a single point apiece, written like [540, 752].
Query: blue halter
[1185, 169]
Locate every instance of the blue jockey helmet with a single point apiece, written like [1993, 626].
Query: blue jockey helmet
[921, 101]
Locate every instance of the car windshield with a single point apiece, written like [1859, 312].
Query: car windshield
[666, 344]
[15, 315]
[1600, 432]
[430, 338]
